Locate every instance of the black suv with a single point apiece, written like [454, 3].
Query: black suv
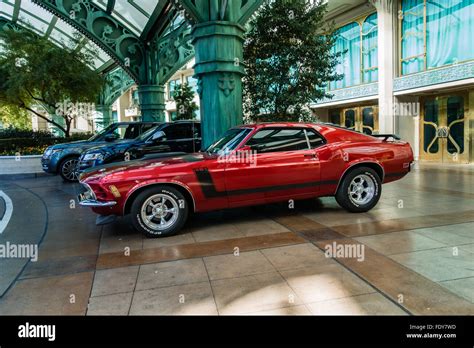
[63, 158]
[165, 139]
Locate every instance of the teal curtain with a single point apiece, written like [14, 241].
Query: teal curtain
[450, 31]
[348, 42]
[413, 40]
[370, 49]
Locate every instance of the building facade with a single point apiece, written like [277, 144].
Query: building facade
[408, 69]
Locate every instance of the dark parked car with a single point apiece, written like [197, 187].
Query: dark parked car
[162, 140]
[63, 158]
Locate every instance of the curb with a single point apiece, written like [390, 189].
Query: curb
[23, 176]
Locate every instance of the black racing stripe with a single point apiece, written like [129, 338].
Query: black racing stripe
[209, 189]
[207, 184]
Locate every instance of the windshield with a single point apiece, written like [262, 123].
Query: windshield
[102, 133]
[147, 134]
[229, 141]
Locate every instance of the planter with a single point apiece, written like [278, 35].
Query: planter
[10, 165]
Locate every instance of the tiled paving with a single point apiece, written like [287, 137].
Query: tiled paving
[418, 256]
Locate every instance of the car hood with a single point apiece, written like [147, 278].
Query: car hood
[141, 166]
[102, 147]
[72, 144]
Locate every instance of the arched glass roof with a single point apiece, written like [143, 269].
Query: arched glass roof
[133, 14]
[26, 14]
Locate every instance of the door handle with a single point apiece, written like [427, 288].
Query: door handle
[311, 155]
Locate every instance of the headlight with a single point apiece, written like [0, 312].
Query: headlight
[93, 157]
[50, 152]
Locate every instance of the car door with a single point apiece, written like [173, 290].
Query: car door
[179, 137]
[282, 165]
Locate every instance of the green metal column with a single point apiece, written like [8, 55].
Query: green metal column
[218, 33]
[105, 118]
[218, 48]
[152, 102]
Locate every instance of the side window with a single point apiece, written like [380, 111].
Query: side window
[315, 140]
[125, 131]
[278, 140]
[178, 131]
[131, 132]
[146, 126]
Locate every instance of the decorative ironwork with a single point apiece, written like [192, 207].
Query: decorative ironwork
[434, 77]
[367, 90]
[239, 11]
[174, 51]
[104, 30]
[227, 83]
[117, 83]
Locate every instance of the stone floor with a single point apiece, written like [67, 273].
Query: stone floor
[418, 256]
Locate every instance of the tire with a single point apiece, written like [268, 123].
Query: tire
[150, 199]
[67, 169]
[366, 186]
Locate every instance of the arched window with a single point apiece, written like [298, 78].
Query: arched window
[359, 62]
[370, 59]
[435, 33]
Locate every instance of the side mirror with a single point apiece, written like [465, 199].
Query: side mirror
[111, 137]
[158, 136]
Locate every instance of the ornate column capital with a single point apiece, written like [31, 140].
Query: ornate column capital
[383, 5]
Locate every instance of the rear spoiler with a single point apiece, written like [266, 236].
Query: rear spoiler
[387, 136]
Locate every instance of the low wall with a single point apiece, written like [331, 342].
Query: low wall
[10, 165]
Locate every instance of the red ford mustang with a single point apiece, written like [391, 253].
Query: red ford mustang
[249, 165]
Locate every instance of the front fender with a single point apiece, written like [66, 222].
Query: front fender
[162, 181]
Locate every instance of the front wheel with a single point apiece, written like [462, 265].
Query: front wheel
[360, 190]
[159, 212]
[68, 169]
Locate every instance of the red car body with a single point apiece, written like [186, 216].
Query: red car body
[211, 183]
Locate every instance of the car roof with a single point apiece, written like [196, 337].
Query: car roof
[158, 123]
[279, 125]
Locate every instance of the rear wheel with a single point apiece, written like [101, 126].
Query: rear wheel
[68, 169]
[159, 212]
[360, 190]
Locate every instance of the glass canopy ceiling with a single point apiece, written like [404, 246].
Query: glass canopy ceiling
[26, 14]
[133, 14]
[138, 16]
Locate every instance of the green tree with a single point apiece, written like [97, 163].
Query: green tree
[185, 106]
[289, 56]
[38, 75]
[14, 117]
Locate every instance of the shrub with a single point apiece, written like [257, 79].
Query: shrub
[9, 133]
[34, 143]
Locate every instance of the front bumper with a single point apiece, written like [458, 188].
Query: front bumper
[94, 203]
[48, 165]
[88, 199]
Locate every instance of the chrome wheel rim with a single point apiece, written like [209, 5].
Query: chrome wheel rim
[69, 169]
[160, 212]
[361, 189]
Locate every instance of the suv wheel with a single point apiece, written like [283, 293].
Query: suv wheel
[159, 211]
[360, 190]
[68, 169]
